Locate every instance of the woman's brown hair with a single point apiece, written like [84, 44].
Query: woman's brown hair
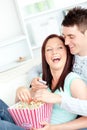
[46, 73]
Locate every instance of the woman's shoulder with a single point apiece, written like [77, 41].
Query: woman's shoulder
[73, 75]
[68, 81]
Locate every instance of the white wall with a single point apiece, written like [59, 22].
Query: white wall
[9, 21]
[9, 28]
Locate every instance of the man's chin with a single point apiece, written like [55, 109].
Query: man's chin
[73, 52]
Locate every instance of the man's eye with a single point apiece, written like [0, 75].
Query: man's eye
[71, 37]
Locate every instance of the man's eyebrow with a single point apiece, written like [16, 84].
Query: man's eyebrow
[62, 34]
[70, 35]
[67, 35]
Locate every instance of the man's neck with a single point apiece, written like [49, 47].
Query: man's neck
[83, 54]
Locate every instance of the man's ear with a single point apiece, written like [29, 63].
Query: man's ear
[86, 33]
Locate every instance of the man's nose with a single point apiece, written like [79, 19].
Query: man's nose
[67, 41]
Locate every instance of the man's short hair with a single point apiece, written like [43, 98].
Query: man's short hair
[76, 16]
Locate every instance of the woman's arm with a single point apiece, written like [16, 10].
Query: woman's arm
[78, 103]
[76, 124]
[78, 89]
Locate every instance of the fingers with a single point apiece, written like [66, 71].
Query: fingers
[37, 85]
[44, 123]
[23, 94]
[33, 128]
[35, 81]
[39, 96]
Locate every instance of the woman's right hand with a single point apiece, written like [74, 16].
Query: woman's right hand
[23, 94]
[35, 84]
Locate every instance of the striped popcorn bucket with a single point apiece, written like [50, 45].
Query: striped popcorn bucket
[28, 118]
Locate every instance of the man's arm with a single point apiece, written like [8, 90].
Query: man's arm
[34, 72]
[70, 104]
[74, 105]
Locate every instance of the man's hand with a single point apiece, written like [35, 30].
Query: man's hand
[36, 84]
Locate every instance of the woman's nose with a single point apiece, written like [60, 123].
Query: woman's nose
[55, 51]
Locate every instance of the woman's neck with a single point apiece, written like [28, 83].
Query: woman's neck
[55, 79]
[56, 74]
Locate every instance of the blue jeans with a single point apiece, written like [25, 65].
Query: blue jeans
[5, 125]
[6, 121]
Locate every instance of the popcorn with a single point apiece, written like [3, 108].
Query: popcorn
[31, 105]
[30, 115]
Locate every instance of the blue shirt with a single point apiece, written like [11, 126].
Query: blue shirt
[60, 115]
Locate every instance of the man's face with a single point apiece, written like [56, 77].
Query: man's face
[75, 39]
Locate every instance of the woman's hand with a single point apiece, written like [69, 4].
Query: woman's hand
[37, 85]
[23, 94]
[46, 126]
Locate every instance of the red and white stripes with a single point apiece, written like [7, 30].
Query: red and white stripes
[27, 118]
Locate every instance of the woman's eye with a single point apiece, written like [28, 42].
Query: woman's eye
[49, 50]
[60, 47]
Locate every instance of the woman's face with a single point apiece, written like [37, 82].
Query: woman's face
[55, 53]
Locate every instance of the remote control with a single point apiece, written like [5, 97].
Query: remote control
[42, 81]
